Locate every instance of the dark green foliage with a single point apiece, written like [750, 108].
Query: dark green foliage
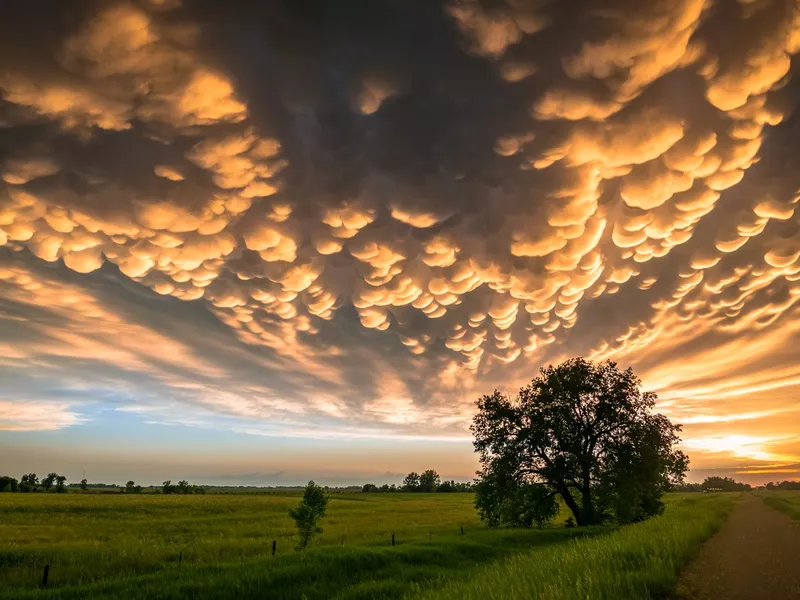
[84, 484]
[783, 485]
[724, 484]
[454, 486]
[429, 481]
[370, 488]
[687, 487]
[586, 432]
[8, 484]
[183, 487]
[61, 484]
[29, 483]
[308, 514]
[48, 481]
[411, 482]
[510, 503]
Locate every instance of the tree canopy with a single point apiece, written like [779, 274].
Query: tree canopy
[581, 430]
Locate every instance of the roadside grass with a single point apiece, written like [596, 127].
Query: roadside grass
[637, 561]
[787, 502]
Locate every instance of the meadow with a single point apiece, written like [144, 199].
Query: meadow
[219, 546]
[787, 502]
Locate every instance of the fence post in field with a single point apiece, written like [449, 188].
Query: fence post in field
[430, 534]
[45, 575]
[180, 559]
[392, 539]
[274, 544]
[462, 530]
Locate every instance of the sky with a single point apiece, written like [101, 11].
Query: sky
[260, 242]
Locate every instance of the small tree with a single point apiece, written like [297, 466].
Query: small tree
[48, 481]
[184, 487]
[370, 488]
[130, 487]
[29, 482]
[411, 482]
[84, 485]
[61, 484]
[167, 487]
[308, 513]
[429, 481]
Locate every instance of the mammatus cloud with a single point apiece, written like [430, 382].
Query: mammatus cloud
[405, 206]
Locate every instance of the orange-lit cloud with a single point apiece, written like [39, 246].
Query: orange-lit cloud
[411, 226]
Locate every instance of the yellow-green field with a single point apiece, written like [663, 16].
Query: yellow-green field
[219, 546]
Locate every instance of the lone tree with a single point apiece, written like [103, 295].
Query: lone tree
[308, 513]
[581, 430]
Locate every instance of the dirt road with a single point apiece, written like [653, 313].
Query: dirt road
[755, 556]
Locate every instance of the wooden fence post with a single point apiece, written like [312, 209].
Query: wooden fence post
[392, 539]
[274, 544]
[46, 574]
[180, 559]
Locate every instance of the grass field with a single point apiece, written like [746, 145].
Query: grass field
[637, 561]
[118, 546]
[786, 502]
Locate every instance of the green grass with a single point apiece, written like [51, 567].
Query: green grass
[637, 561]
[117, 546]
[87, 538]
[787, 502]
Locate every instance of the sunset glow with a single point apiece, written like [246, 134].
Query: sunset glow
[264, 242]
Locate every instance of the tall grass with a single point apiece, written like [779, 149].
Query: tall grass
[354, 573]
[787, 502]
[89, 537]
[637, 561]
[98, 548]
[92, 538]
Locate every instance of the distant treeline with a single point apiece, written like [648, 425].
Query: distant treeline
[29, 482]
[427, 481]
[783, 485]
[714, 484]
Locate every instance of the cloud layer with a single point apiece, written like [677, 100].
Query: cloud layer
[393, 207]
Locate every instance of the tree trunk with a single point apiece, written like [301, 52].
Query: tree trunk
[588, 507]
[572, 505]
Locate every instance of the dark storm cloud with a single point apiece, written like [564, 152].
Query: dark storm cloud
[395, 204]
